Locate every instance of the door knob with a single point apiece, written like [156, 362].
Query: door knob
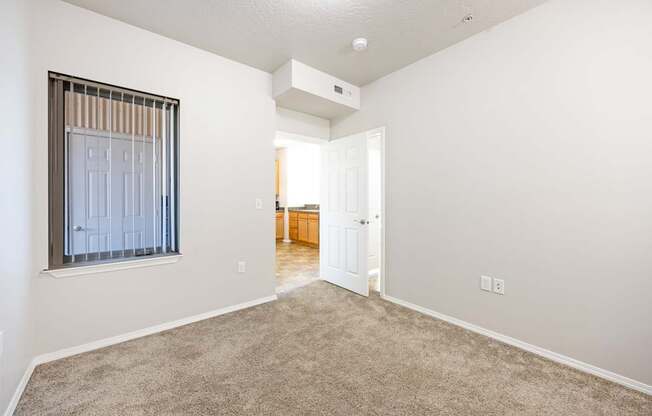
[362, 222]
[77, 228]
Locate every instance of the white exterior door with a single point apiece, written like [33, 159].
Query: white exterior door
[135, 206]
[343, 214]
[89, 211]
[114, 195]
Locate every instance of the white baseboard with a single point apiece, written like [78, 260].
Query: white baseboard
[553, 356]
[68, 352]
[20, 389]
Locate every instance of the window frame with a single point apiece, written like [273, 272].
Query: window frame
[57, 182]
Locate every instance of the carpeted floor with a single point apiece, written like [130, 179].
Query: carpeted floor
[320, 350]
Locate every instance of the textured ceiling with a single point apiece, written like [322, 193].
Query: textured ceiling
[266, 33]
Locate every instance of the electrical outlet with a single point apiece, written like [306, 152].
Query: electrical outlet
[242, 266]
[499, 286]
[485, 283]
[259, 203]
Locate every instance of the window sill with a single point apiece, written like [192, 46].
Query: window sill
[110, 267]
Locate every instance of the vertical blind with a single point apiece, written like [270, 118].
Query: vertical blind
[118, 150]
[85, 110]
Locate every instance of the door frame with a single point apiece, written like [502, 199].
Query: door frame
[382, 130]
[382, 272]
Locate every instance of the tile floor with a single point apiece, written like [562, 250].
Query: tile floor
[296, 265]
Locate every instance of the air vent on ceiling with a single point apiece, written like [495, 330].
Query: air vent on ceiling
[302, 88]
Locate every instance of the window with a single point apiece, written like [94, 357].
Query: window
[113, 173]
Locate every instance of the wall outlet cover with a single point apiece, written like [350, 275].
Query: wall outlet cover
[499, 286]
[485, 283]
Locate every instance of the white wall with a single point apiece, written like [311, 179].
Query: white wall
[525, 153]
[16, 202]
[228, 122]
[303, 170]
[294, 122]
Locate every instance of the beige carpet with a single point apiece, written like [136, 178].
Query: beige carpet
[320, 350]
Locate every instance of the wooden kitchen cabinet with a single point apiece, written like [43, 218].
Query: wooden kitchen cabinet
[313, 230]
[294, 226]
[279, 225]
[304, 227]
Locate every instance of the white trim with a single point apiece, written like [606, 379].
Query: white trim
[68, 352]
[381, 271]
[13, 403]
[111, 267]
[553, 356]
[383, 210]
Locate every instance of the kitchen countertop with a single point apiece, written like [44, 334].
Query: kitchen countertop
[300, 209]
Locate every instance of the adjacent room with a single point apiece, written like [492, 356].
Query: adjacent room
[329, 207]
[298, 166]
[298, 181]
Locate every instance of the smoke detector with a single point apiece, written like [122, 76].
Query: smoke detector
[359, 44]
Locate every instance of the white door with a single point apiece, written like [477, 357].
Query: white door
[90, 213]
[343, 214]
[135, 206]
[112, 205]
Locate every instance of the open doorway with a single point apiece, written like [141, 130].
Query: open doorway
[297, 181]
[330, 201]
